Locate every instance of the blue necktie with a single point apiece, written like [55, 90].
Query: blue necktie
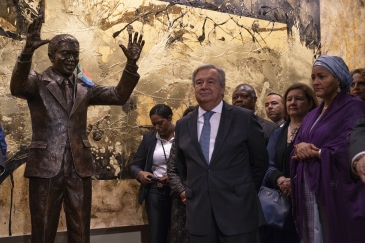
[205, 135]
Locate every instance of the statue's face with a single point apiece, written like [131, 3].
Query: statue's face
[66, 58]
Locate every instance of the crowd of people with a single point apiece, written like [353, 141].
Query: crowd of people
[303, 153]
[200, 178]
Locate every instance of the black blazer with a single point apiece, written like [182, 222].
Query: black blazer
[226, 188]
[268, 127]
[143, 161]
[357, 141]
[2, 162]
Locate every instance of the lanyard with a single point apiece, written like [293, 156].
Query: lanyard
[164, 153]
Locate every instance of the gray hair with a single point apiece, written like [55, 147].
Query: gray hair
[222, 75]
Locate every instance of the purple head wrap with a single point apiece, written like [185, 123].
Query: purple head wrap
[338, 68]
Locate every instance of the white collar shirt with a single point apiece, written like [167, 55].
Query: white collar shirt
[161, 155]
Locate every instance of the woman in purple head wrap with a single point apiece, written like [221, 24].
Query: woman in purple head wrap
[328, 205]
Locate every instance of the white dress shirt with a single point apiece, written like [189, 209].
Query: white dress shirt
[162, 149]
[214, 125]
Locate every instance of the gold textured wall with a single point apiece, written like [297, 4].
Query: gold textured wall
[342, 30]
[260, 52]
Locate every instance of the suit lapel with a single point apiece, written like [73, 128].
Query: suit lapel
[193, 133]
[224, 125]
[151, 145]
[81, 92]
[55, 90]
[261, 121]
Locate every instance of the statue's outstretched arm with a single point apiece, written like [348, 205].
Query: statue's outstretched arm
[21, 81]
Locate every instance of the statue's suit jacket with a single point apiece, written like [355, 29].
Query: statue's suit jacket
[227, 187]
[52, 125]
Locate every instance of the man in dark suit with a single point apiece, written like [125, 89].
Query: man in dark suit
[244, 96]
[222, 157]
[60, 163]
[357, 151]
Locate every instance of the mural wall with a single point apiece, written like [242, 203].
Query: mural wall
[342, 30]
[267, 44]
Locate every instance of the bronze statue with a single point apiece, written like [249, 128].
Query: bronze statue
[60, 163]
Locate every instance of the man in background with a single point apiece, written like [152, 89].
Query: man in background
[275, 108]
[244, 96]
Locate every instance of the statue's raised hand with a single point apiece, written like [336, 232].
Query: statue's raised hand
[34, 40]
[134, 48]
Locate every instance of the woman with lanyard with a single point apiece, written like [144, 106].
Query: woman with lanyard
[150, 166]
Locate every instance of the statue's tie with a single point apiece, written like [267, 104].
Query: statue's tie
[205, 135]
[68, 96]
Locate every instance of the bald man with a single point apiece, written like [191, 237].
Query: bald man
[244, 96]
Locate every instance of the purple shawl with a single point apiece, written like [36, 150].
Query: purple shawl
[329, 177]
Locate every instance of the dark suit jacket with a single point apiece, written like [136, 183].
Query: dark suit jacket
[357, 141]
[268, 127]
[143, 161]
[2, 162]
[226, 188]
[52, 125]
[3, 147]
